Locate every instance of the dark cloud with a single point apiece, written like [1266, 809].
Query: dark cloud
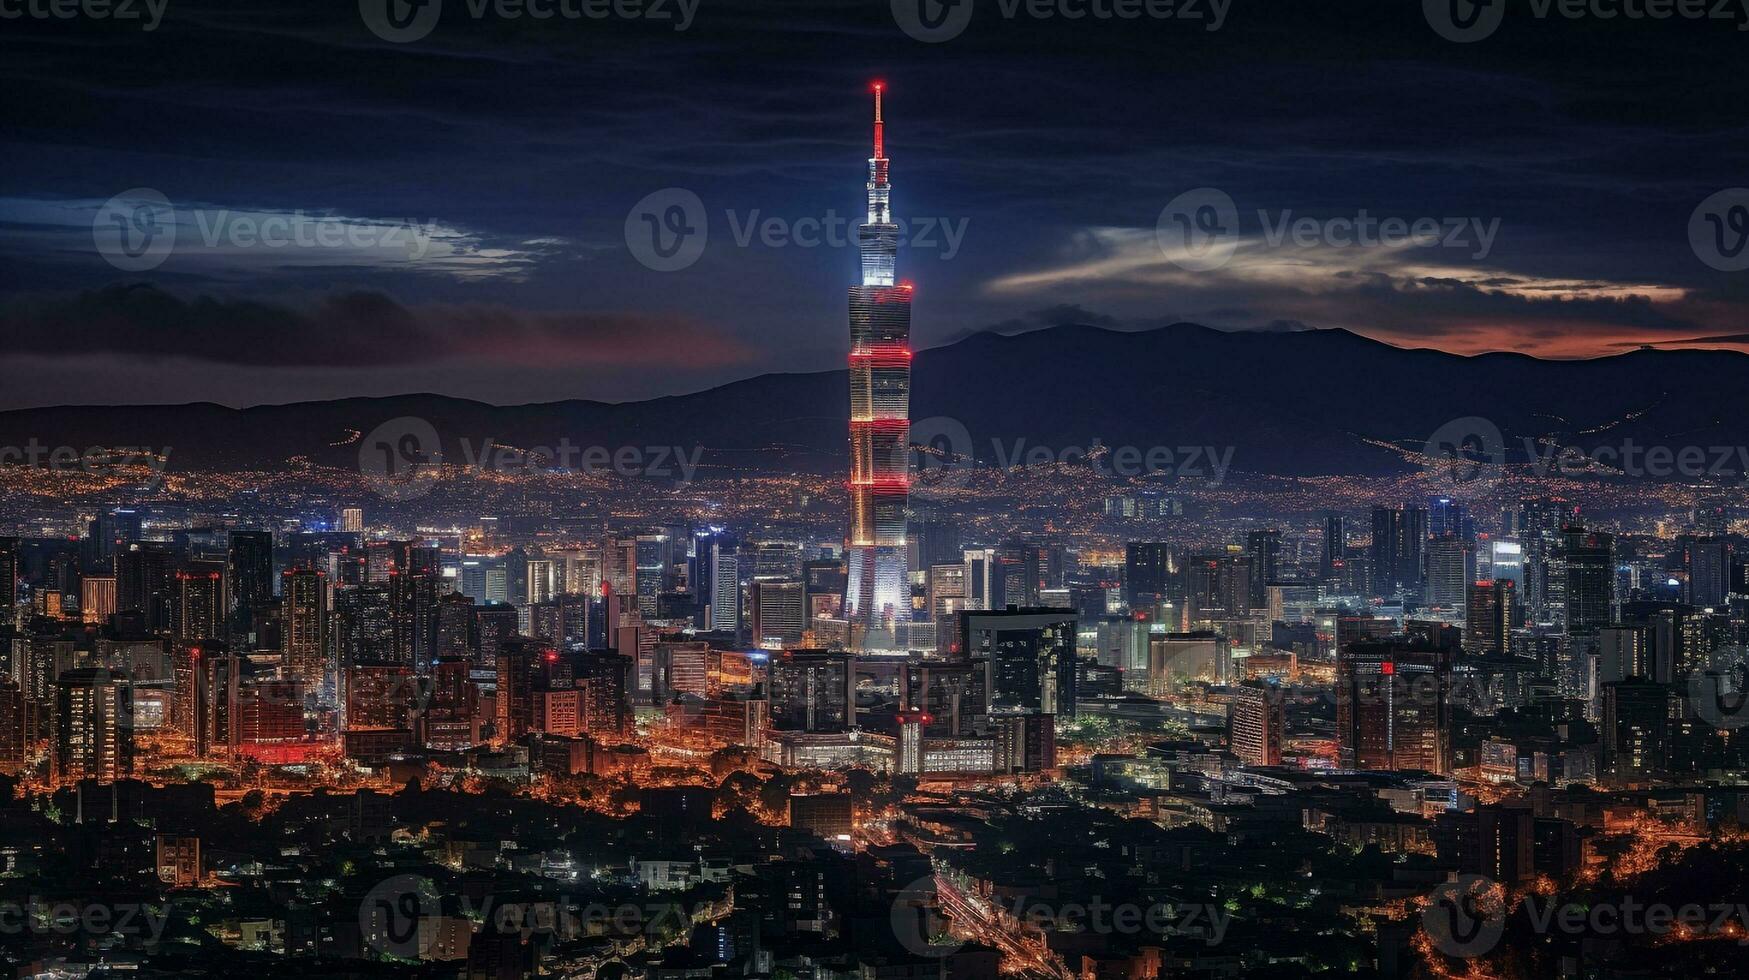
[349, 330]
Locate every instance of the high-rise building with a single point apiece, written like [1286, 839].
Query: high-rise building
[1588, 568]
[97, 598]
[1030, 658]
[1330, 566]
[201, 603]
[1488, 616]
[775, 612]
[1264, 548]
[1218, 586]
[1393, 707]
[14, 727]
[1635, 729]
[725, 575]
[1399, 543]
[363, 625]
[93, 729]
[681, 667]
[1451, 568]
[606, 676]
[251, 558]
[1707, 562]
[877, 601]
[352, 520]
[1446, 516]
[1148, 570]
[812, 691]
[1024, 742]
[527, 669]
[143, 577]
[1540, 523]
[8, 577]
[951, 699]
[305, 594]
[947, 599]
[1256, 722]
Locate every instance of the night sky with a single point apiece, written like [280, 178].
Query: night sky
[520, 146]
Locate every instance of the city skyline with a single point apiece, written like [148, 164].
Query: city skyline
[1181, 596]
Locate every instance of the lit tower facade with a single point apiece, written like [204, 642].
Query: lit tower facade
[877, 600]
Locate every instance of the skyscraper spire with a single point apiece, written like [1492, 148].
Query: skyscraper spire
[877, 597]
[878, 141]
[878, 189]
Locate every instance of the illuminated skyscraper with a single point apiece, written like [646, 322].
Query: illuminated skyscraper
[877, 601]
[305, 594]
